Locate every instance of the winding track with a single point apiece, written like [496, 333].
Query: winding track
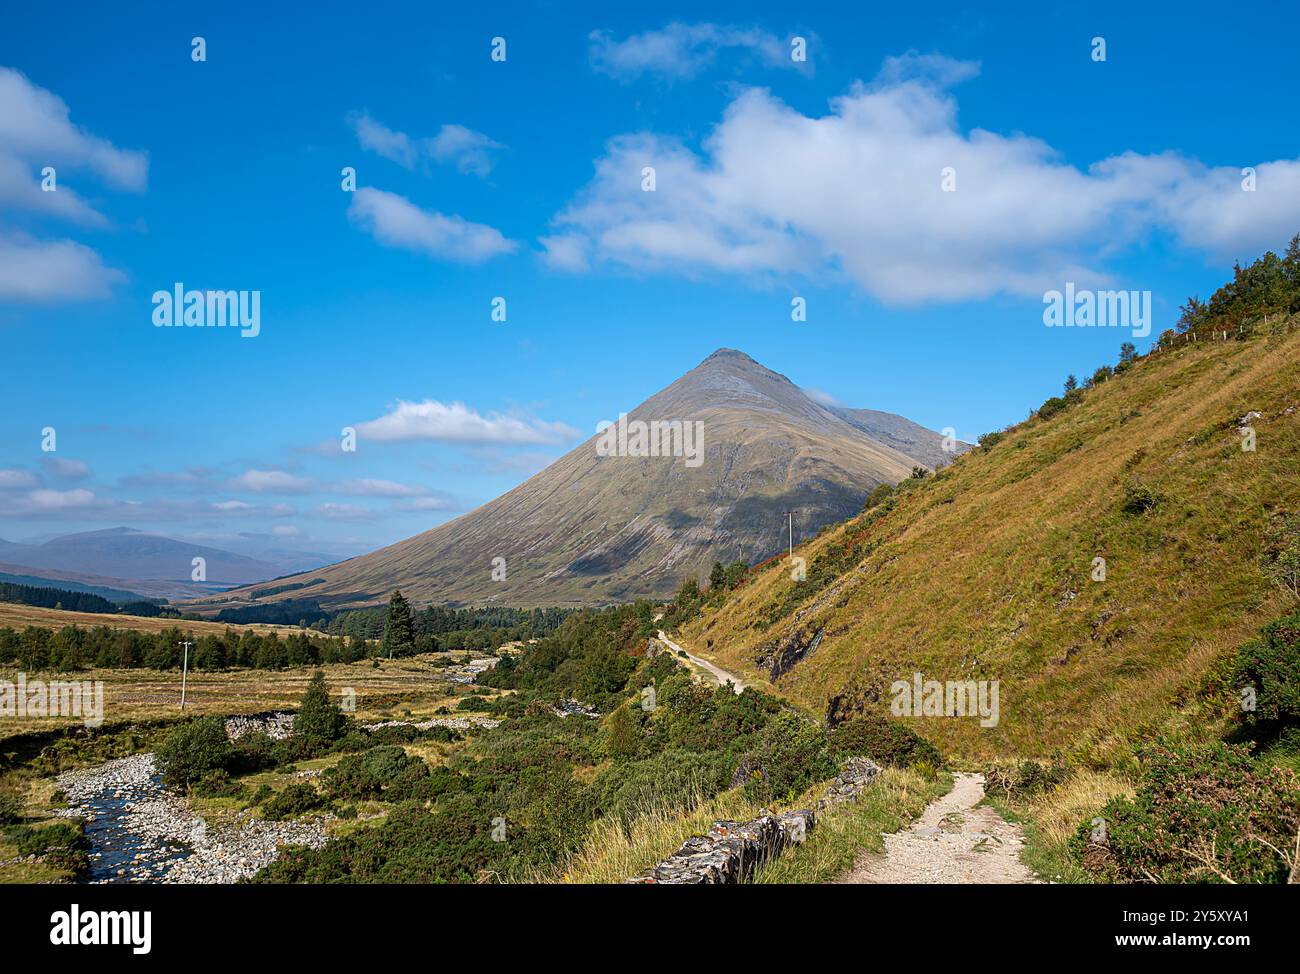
[717, 672]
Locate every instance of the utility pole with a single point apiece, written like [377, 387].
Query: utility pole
[185, 669]
[789, 516]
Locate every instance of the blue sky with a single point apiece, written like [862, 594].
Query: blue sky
[521, 178]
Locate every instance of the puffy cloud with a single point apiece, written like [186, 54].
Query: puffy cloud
[371, 487]
[67, 469]
[52, 270]
[20, 189]
[457, 423]
[35, 127]
[54, 500]
[14, 479]
[395, 221]
[381, 140]
[469, 151]
[272, 482]
[681, 51]
[344, 512]
[858, 193]
[36, 131]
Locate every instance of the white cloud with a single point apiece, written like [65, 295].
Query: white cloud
[35, 132]
[370, 487]
[425, 504]
[52, 270]
[857, 193]
[378, 138]
[54, 500]
[68, 469]
[272, 482]
[286, 531]
[14, 478]
[457, 423]
[20, 189]
[681, 51]
[565, 252]
[822, 398]
[344, 512]
[397, 222]
[469, 151]
[35, 127]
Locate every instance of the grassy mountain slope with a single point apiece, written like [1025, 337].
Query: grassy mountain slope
[982, 572]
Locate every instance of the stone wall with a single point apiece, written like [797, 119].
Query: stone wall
[733, 850]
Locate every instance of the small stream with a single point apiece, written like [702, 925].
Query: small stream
[140, 832]
[107, 797]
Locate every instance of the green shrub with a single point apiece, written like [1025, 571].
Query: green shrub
[884, 740]
[381, 772]
[1271, 665]
[1202, 813]
[791, 754]
[296, 799]
[11, 809]
[1025, 780]
[217, 784]
[62, 845]
[193, 750]
[672, 779]
[252, 753]
[1139, 499]
[264, 791]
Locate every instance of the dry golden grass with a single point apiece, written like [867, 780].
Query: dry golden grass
[17, 616]
[1052, 818]
[983, 572]
[611, 855]
[385, 692]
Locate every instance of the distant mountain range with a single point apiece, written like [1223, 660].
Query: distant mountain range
[594, 528]
[127, 562]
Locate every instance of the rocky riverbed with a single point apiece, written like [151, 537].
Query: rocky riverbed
[141, 832]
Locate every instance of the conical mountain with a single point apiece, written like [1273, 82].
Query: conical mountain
[593, 528]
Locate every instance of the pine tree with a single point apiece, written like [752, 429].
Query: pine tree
[399, 632]
[1071, 383]
[717, 577]
[319, 719]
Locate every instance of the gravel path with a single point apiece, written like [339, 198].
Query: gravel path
[952, 842]
[141, 832]
[717, 672]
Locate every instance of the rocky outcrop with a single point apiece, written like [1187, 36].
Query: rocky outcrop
[731, 851]
[780, 656]
[568, 707]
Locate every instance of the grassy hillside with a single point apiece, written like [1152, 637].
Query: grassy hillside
[982, 572]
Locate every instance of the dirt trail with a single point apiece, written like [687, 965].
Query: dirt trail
[952, 842]
[717, 672]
